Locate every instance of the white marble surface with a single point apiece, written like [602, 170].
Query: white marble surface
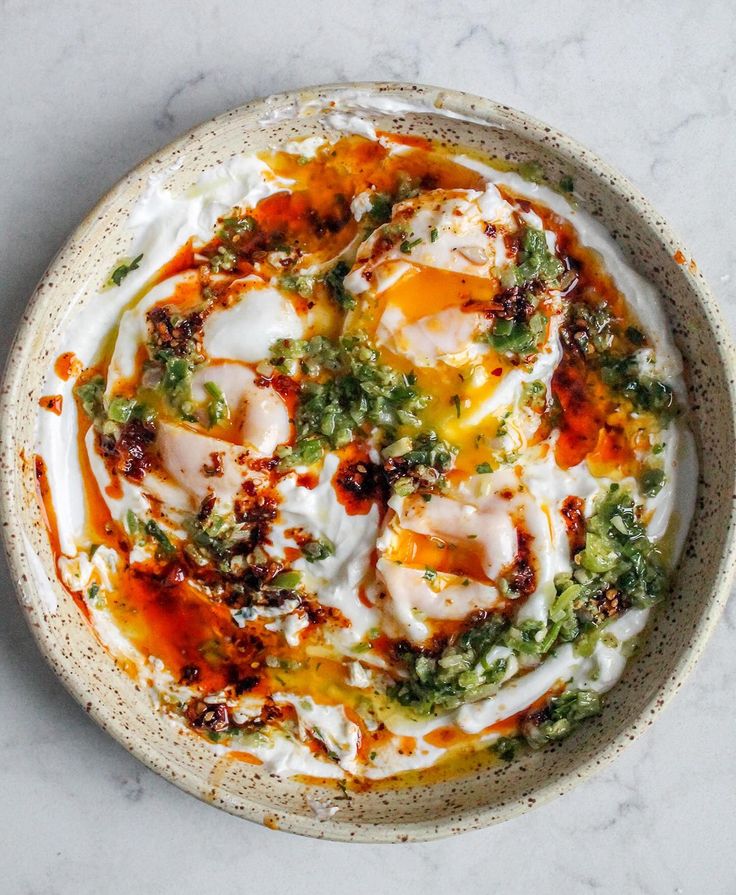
[87, 90]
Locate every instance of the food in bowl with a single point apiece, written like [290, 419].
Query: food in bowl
[370, 458]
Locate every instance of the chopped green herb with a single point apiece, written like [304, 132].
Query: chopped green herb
[434, 234]
[176, 381]
[421, 467]
[234, 227]
[517, 339]
[315, 551]
[217, 409]
[380, 210]
[133, 524]
[624, 377]
[618, 563]
[525, 637]
[407, 186]
[652, 481]
[534, 395]
[483, 468]
[531, 171]
[306, 452]
[223, 259]
[567, 184]
[153, 529]
[286, 580]
[121, 409]
[461, 673]
[536, 261]
[346, 389]
[590, 327]
[122, 270]
[302, 285]
[91, 394]
[344, 787]
[398, 448]
[335, 283]
[618, 567]
[407, 245]
[561, 717]
[429, 574]
[506, 747]
[215, 539]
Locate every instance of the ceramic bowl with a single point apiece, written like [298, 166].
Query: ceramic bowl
[487, 795]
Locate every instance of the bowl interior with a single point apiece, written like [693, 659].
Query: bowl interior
[678, 631]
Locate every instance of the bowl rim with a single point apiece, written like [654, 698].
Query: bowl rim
[484, 112]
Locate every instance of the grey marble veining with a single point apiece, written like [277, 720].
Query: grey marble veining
[87, 90]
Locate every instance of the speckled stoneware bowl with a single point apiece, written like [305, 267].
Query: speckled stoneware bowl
[679, 630]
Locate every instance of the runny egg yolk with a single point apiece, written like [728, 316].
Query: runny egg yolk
[458, 391]
[463, 558]
[423, 291]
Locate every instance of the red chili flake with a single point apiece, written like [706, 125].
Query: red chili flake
[189, 674]
[611, 603]
[523, 578]
[358, 484]
[572, 511]
[497, 371]
[214, 718]
[284, 385]
[174, 576]
[244, 684]
[307, 480]
[131, 450]
[206, 507]
[175, 333]
[216, 466]
[269, 712]
[319, 614]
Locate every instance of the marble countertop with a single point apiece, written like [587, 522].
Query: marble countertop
[87, 91]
